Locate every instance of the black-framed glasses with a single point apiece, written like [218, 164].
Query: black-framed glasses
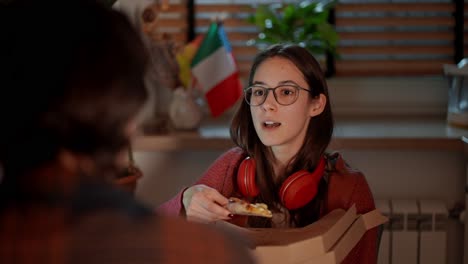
[285, 94]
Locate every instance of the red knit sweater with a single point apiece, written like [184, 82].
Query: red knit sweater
[345, 188]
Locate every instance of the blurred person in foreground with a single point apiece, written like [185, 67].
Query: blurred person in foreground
[71, 91]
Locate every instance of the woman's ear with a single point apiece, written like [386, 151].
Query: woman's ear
[317, 105]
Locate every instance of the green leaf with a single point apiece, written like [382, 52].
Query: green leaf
[304, 23]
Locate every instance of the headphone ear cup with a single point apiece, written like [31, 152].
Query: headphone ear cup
[246, 178]
[301, 187]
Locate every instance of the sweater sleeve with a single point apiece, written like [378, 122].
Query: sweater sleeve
[365, 251]
[218, 176]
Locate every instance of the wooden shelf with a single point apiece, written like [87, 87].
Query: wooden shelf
[408, 133]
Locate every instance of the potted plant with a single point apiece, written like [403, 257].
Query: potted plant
[304, 23]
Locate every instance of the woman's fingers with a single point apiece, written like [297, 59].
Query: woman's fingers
[205, 204]
[202, 215]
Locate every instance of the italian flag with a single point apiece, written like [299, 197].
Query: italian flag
[215, 71]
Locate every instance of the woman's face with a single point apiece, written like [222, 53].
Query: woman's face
[283, 128]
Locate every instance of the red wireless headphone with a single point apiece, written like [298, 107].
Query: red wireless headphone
[295, 192]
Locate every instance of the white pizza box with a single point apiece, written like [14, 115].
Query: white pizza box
[328, 240]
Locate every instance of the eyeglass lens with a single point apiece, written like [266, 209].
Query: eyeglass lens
[284, 94]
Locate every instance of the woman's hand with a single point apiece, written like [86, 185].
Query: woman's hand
[204, 204]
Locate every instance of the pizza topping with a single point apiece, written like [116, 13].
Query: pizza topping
[242, 207]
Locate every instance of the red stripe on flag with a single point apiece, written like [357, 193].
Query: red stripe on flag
[224, 95]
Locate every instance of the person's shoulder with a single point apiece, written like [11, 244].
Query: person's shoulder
[92, 198]
[341, 175]
[234, 152]
[342, 178]
[184, 241]
[232, 156]
[337, 164]
[347, 185]
[153, 239]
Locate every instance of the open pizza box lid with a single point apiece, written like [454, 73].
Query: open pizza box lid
[329, 240]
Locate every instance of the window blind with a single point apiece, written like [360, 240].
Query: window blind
[409, 37]
[172, 22]
[377, 37]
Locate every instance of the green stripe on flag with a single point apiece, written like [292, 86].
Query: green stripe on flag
[211, 42]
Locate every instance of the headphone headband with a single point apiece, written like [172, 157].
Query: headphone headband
[295, 192]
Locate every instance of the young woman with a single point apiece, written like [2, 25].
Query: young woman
[71, 90]
[282, 129]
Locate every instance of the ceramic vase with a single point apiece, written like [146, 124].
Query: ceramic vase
[184, 112]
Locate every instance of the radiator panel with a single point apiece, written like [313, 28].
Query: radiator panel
[416, 232]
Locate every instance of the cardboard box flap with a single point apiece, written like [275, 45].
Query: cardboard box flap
[324, 232]
[299, 244]
[374, 218]
[329, 240]
[288, 243]
[349, 240]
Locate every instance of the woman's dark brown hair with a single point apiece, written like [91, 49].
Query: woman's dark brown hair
[72, 79]
[316, 141]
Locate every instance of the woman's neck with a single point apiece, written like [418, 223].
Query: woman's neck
[283, 158]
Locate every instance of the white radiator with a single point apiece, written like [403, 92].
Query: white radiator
[416, 232]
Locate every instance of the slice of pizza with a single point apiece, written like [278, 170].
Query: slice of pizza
[241, 207]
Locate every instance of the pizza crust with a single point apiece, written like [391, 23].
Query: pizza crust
[241, 207]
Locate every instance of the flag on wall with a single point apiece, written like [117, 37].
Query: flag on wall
[215, 71]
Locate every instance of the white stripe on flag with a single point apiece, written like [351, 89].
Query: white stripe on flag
[214, 69]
